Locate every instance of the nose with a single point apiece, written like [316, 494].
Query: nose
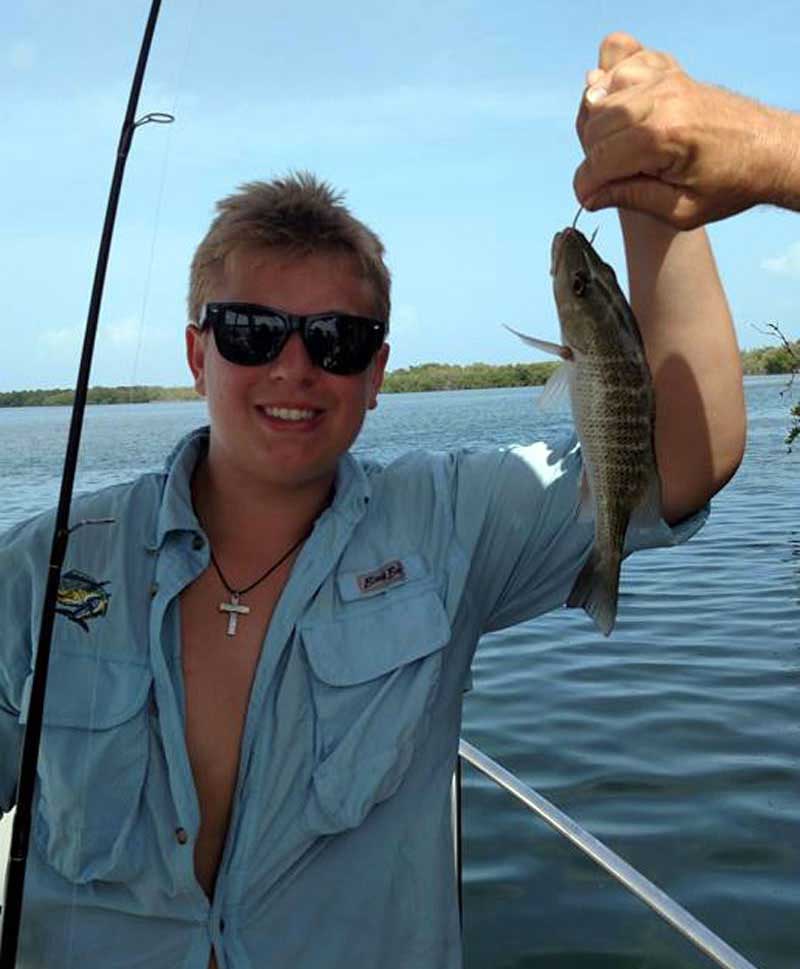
[293, 362]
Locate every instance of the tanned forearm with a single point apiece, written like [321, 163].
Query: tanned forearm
[694, 359]
[780, 143]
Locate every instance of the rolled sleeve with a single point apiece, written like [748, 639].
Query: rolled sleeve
[517, 515]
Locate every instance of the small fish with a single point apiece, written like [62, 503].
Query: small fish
[80, 597]
[606, 374]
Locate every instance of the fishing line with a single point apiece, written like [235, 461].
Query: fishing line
[161, 118]
[178, 90]
[575, 223]
[154, 117]
[26, 785]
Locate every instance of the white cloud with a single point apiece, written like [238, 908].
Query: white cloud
[786, 264]
[123, 334]
[21, 55]
[61, 339]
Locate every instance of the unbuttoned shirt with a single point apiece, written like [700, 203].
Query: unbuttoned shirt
[339, 851]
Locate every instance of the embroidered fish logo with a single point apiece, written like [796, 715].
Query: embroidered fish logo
[80, 598]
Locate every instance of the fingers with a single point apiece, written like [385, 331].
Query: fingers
[615, 48]
[620, 112]
[644, 67]
[638, 69]
[675, 206]
[624, 119]
[629, 152]
[603, 114]
[594, 76]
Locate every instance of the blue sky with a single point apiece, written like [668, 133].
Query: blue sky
[449, 123]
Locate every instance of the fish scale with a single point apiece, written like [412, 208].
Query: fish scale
[611, 393]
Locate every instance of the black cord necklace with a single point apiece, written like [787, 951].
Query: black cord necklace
[233, 608]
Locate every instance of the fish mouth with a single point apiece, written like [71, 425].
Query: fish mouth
[560, 242]
[574, 241]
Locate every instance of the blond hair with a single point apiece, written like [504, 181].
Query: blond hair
[299, 214]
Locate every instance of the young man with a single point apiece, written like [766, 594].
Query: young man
[247, 757]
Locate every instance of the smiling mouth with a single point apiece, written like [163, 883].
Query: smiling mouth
[290, 415]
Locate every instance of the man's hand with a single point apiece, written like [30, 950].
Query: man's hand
[687, 153]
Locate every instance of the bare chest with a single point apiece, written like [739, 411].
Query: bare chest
[218, 672]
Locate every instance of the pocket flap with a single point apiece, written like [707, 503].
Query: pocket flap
[89, 693]
[368, 642]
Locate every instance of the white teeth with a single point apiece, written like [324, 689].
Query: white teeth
[289, 414]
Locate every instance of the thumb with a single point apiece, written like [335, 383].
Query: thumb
[615, 48]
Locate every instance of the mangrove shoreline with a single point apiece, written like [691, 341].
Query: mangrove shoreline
[423, 377]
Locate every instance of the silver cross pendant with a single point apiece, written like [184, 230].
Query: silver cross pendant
[234, 610]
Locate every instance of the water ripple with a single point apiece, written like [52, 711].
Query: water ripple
[677, 739]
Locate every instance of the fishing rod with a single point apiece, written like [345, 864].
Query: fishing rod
[20, 833]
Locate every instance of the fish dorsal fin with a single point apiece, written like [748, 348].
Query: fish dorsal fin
[556, 393]
[557, 349]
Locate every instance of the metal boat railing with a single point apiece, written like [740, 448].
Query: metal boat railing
[667, 908]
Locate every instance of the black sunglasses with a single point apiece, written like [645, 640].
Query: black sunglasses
[250, 335]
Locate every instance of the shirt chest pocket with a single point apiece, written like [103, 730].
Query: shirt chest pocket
[92, 766]
[374, 676]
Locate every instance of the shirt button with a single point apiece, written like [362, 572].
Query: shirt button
[153, 590]
[222, 925]
[181, 835]
[198, 542]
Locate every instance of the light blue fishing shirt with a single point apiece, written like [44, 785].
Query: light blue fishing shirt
[340, 849]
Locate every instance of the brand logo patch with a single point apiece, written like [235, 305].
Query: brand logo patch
[386, 575]
[81, 598]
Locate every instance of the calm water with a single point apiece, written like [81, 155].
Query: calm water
[677, 741]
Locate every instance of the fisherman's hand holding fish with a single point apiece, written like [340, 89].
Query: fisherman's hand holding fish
[655, 384]
[657, 141]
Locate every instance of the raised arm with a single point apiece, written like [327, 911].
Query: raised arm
[691, 348]
[685, 323]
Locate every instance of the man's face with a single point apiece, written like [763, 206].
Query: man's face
[249, 438]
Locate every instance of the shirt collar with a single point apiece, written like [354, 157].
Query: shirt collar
[177, 511]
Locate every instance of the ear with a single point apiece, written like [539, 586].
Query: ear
[376, 379]
[196, 356]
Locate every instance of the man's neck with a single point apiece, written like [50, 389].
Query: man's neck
[248, 520]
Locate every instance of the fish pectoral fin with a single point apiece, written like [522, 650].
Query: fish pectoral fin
[647, 513]
[556, 391]
[557, 349]
[596, 589]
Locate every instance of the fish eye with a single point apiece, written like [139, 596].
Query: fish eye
[580, 280]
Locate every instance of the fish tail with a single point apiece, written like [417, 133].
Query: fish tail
[597, 587]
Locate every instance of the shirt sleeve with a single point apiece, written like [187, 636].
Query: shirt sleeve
[516, 516]
[23, 571]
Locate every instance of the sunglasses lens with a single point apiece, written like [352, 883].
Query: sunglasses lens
[342, 344]
[250, 335]
[249, 339]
